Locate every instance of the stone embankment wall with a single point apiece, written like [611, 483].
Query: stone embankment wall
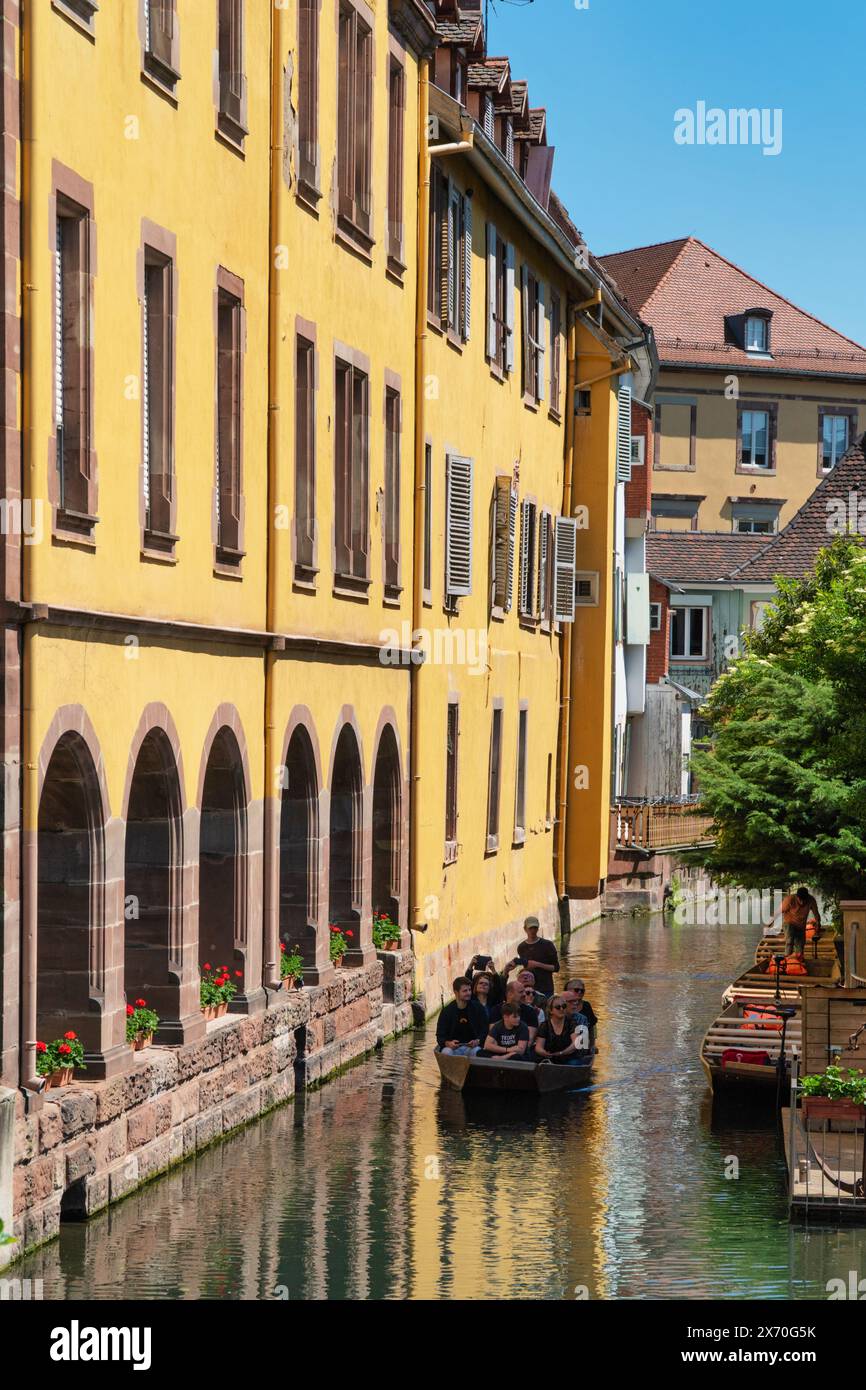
[89, 1144]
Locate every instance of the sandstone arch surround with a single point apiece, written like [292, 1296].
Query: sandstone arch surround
[388, 725]
[226, 727]
[103, 1027]
[317, 964]
[347, 726]
[188, 1025]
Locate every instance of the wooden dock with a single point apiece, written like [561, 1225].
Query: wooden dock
[825, 1170]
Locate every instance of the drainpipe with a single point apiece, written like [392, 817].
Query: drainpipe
[29, 785]
[566, 638]
[420, 490]
[270, 965]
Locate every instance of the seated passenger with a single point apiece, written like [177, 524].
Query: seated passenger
[462, 1025]
[509, 1038]
[483, 965]
[482, 990]
[528, 1013]
[577, 987]
[556, 1041]
[527, 980]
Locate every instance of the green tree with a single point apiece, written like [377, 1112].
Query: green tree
[785, 775]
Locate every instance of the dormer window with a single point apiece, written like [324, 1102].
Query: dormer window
[757, 334]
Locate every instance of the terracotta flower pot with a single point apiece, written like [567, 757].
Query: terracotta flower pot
[61, 1077]
[826, 1108]
[290, 982]
[337, 962]
[142, 1041]
[209, 1011]
[392, 946]
[221, 1009]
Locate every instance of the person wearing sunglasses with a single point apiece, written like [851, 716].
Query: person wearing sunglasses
[576, 989]
[556, 1040]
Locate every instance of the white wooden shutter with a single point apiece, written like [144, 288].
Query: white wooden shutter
[509, 308]
[458, 526]
[490, 347]
[542, 565]
[526, 336]
[539, 351]
[451, 243]
[467, 268]
[564, 558]
[525, 519]
[501, 508]
[58, 329]
[623, 435]
[512, 541]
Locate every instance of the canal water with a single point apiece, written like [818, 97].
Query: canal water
[383, 1185]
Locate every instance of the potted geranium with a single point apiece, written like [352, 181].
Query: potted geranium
[339, 944]
[141, 1024]
[291, 967]
[217, 989]
[386, 934]
[834, 1095]
[56, 1060]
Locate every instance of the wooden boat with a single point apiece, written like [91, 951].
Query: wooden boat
[491, 1074]
[758, 984]
[732, 1031]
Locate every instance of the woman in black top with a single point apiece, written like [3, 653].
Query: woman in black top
[482, 990]
[554, 1041]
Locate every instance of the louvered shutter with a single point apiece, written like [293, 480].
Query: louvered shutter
[542, 565]
[539, 351]
[623, 435]
[509, 308]
[490, 347]
[564, 559]
[467, 268]
[526, 334]
[512, 540]
[145, 412]
[458, 526]
[58, 347]
[448, 242]
[501, 505]
[525, 577]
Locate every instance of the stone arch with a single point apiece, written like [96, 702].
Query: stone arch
[387, 839]
[300, 857]
[223, 862]
[70, 883]
[346, 829]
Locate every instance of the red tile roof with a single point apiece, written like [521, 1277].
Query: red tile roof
[684, 289]
[793, 551]
[698, 557]
[468, 31]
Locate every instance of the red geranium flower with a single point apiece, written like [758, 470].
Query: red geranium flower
[239, 974]
[129, 1011]
[282, 945]
[207, 965]
[70, 1037]
[64, 1049]
[334, 929]
[350, 933]
[141, 1003]
[41, 1047]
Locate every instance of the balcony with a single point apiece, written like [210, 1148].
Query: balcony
[658, 827]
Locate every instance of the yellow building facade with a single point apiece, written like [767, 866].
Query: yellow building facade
[291, 494]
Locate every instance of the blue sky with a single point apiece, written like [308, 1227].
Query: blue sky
[612, 77]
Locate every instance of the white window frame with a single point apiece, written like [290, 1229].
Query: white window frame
[828, 468]
[655, 617]
[690, 657]
[750, 461]
[763, 345]
[581, 579]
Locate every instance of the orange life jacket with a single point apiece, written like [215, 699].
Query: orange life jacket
[795, 965]
[761, 1018]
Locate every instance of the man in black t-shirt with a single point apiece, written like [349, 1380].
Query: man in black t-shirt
[509, 1038]
[462, 1025]
[537, 954]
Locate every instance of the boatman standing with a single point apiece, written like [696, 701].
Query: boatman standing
[795, 911]
[537, 954]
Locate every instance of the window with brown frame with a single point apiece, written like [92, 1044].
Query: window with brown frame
[305, 454]
[351, 443]
[396, 114]
[72, 367]
[451, 740]
[437, 247]
[520, 782]
[391, 514]
[354, 120]
[555, 343]
[232, 79]
[162, 42]
[533, 337]
[428, 521]
[308, 93]
[229, 427]
[157, 400]
[493, 779]
[500, 301]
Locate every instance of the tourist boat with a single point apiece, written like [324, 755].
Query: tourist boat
[491, 1074]
[758, 983]
[741, 1048]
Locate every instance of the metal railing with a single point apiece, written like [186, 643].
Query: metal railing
[652, 826]
[826, 1160]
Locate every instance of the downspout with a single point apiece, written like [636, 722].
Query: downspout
[420, 487]
[270, 965]
[28, 813]
[566, 639]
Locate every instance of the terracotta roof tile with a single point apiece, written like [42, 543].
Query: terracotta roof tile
[698, 557]
[466, 31]
[793, 551]
[684, 289]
